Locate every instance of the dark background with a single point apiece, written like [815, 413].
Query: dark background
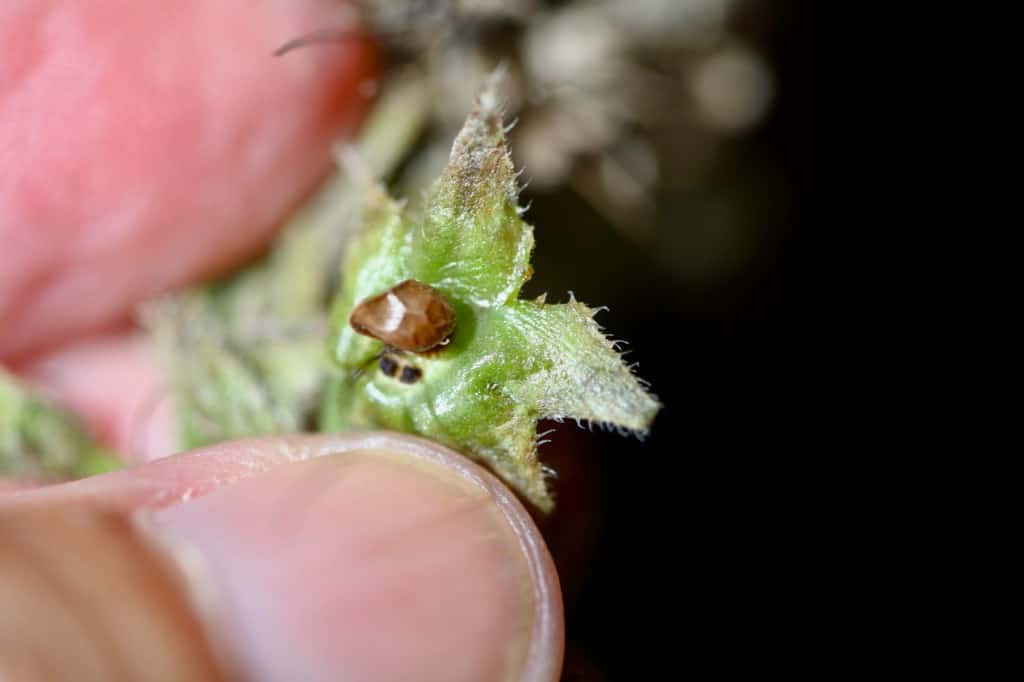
[673, 552]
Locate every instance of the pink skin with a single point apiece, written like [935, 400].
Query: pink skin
[114, 383]
[145, 147]
[382, 555]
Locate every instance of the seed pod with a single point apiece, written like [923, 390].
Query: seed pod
[409, 316]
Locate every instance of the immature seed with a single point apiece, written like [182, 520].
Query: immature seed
[388, 365]
[410, 316]
[410, 375]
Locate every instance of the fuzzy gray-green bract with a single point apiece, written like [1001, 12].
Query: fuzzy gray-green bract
[510, 361]
[42, 440]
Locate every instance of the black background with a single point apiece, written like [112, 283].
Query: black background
[677, 554]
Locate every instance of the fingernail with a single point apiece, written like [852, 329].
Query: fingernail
[395, 559]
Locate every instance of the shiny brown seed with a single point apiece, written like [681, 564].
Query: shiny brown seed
[409, 316]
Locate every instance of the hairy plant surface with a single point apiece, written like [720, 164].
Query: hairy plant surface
[510, 361]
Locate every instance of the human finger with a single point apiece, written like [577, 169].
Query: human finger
[375, 556]
[146, 146]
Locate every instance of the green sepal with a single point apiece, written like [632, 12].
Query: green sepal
[510, 362]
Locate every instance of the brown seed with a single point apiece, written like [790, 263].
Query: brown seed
[409, 316]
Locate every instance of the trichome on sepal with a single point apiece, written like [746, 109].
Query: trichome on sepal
[510, 362]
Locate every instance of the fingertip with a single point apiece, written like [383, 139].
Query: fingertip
[381, 554]
[394, 560]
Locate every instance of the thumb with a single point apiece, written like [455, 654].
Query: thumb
[363, 556]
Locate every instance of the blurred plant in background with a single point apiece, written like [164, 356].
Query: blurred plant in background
[613, 99]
